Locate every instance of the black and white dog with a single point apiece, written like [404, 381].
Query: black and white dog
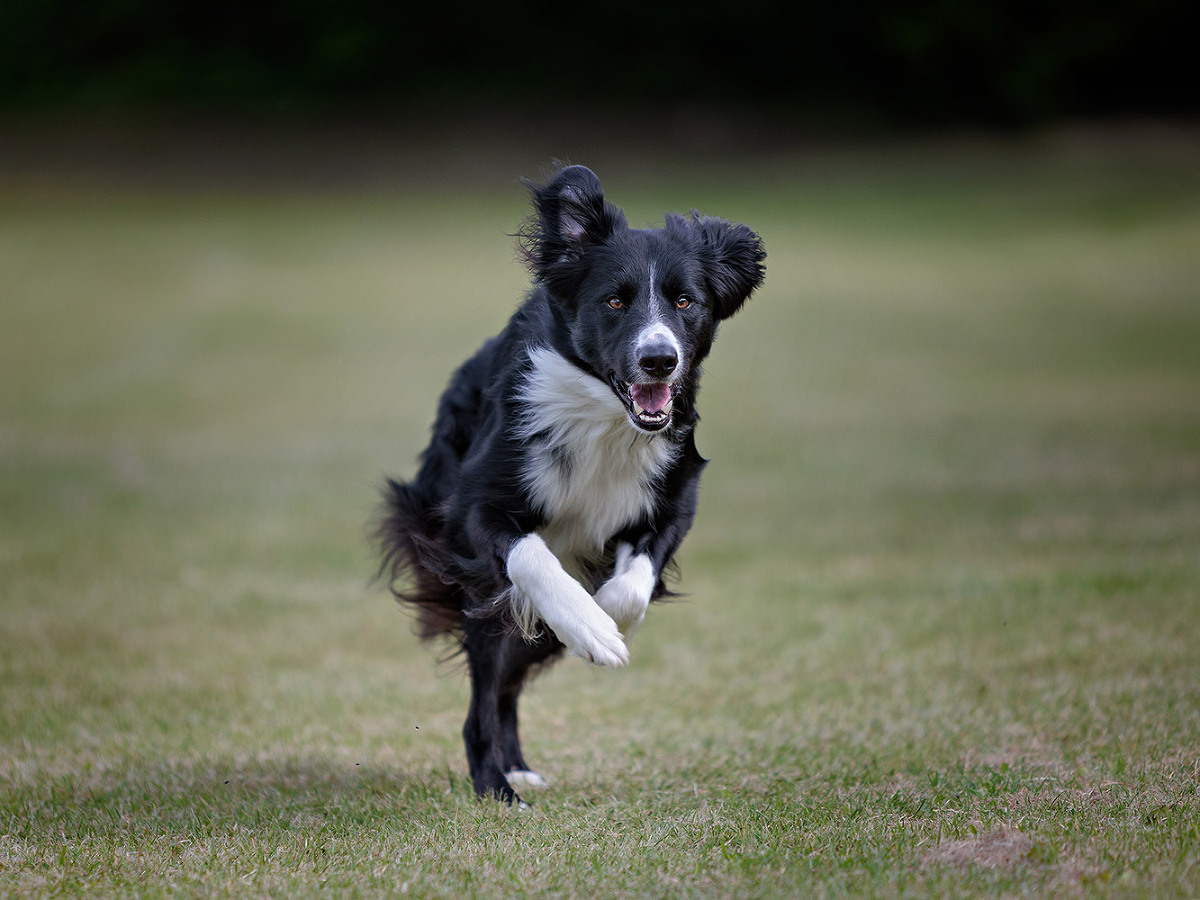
[562, 473]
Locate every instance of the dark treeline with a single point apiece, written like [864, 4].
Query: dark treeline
[994, 61]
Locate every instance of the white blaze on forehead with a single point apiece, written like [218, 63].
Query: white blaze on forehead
[656, 330]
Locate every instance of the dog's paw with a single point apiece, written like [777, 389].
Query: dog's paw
[594, 636]
[585, 629]
[561, 602]
[626, 595]
[525, 778]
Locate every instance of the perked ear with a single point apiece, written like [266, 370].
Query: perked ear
[570, 214]
[733, 262]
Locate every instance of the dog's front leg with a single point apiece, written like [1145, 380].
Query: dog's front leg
[563, 604]
[627, 593]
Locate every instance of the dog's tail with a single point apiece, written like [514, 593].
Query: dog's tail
[415, 562]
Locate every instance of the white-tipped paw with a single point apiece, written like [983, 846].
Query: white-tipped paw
[594, 636]
[525, 778]
[561, 602]
[626, 595]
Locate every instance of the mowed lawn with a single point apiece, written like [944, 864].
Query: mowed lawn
[941, 631]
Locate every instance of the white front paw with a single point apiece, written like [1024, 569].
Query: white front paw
[626, 595]
[592, 635]
[541, 584]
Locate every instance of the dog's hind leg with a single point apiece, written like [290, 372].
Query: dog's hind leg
[519, 657]
[482, 728]
[499, 662]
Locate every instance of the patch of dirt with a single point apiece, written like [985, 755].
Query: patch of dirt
[1005, 848]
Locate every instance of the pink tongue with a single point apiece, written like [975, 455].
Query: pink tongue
[651, 397]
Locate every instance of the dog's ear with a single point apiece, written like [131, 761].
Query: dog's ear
[733, 257]
[570, 215]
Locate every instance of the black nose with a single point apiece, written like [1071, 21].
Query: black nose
[658, 361]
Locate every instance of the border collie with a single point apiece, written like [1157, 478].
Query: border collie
[562, 473]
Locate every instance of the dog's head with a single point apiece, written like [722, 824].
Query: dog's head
[638, 307]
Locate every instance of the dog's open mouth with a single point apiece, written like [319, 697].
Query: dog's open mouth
[650, 404]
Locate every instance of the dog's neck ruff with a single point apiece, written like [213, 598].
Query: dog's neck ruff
[587, 467]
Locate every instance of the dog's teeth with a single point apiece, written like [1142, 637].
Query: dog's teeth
[656, 416]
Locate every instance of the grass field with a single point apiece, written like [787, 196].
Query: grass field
[942, 627]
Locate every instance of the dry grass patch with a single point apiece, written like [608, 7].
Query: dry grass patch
[1003, 848]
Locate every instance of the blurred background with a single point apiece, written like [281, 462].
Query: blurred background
[886, 63]
[205, 84]
[954, 503]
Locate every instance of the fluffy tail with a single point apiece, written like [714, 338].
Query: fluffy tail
[415, 561]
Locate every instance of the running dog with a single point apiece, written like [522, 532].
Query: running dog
[562, 473]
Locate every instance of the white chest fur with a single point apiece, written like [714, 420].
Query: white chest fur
[588, 467]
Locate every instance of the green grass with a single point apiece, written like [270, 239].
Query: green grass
[942, 627]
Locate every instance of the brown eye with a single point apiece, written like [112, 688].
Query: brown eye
[683, 303]
[616, 303]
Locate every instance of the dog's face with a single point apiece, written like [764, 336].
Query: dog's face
[640, 307]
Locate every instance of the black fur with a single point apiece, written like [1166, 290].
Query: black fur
[445, 536]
